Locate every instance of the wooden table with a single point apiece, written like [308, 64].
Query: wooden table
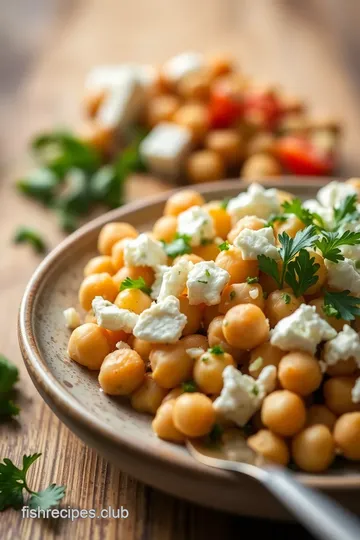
[304, 48]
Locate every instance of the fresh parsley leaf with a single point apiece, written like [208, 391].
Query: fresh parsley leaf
[303, 214]
[251, 280]
[75, 198]
[291, 246]
[27, 235]
[207, 273]
[41, 184]
[213, 439]
[330, 311]
[286, 297]
[205, 241]
[8, 408]
[301, 273]
[138, 283]
[269, 266]
[330, 242]
[281, 218]
[347, 307]
[232, 295]
[47, 498]
[224, 203]
[107, 186]
[225, 246]
[68, 221]
[346, 211]
[9, 374]
[202, 281]
[255, 390]
[179, 246]
[217, 350]
[189, 386]
[205, 359]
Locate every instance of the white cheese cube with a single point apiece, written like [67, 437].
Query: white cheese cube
[334, 193]
[355, 392]
[255, 243]
[165, 148]
[242, 395]
[111, 317]
[162, 322]
[181, 65]
[174, 279]
[159, 274]
[205, 283]
[344, 346]
[196, 223]
[256, 201]
[72, 318]
[144, 251]
[343, 275]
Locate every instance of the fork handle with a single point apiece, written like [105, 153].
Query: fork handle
[324, 518]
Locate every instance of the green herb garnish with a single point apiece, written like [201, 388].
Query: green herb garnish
[251, 280]
[286, 297]
[330, 242]
[27, 235]
[224, 203]
[179, 246]
[9, 375]
[232, 295]
[138, 283]
[213, 439]
[189, 386]
[217, 349]
[342, 305]
[225, 246]
[303, 214]
[301, 273]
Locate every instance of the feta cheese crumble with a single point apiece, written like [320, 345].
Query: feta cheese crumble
[255, 243]
[181, 65]
[334, 193]
[355, 392]
[111, 317]
[256, 201]
[344, 346]
[162, 322]
[159, 274]
[174, 279]
[304, 329]
[122, 345]
[343, 274]
[72, 318]
[195, 352]
[144, 251]
[242, 395]
[205, 283]
[197, 224]
[254, 293]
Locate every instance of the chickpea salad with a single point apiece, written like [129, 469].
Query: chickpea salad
[234, 314]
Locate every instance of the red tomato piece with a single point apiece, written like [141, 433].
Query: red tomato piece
[224, 109]
[299, 156]
[264, 109]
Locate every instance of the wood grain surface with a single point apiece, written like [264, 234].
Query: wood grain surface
[310, 47]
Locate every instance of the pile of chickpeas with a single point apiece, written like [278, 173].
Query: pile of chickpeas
[238, 127]
[307, 419]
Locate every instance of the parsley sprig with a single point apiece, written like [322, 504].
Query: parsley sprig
[138, 283]
[303, 214]
[330, 242]
[9, 375]
[301, 273]
[341, 305]
[346, 211]
[179, 246]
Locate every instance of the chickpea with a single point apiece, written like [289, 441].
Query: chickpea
[195, 341]
[96, 285]
[220, 65]
[228, 144]
[241, 293]
[148, 397]
[121, 372]
[261, 143]
[208, 252]
[170, 364]
[259, 165]
[216, 337]
[300, 372]
[161, 109]
[193, 414]
[101, 138]
[208, 369]
[220, 217]
[319, 303]
[343, 367]
[245, 326]
[313, 449]
[347, 435]
[134, 272]
[231, 83]
[191, 257]
[284, 196]
[193, 315]
[269, 445]
[281, 304]
[114, 336]
[321, 273]
[239, 269]
[117, 254]
[88, 346]
[337, 395]
[283, 412]
[90, 317]
[193, 116]
[174, 393]
[248, 222]
[165, 228]
[92, 101]
[291, 226]
[181, 201]
[134, 300]
[142, 347]
[209, 313]
[204, 166]
[99, 265]
[320, 414]
[112, 233]
[163, 423]
[269, 354]
[195, 86]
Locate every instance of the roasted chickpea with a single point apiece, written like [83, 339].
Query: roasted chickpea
[347, 435]
[193, 414]
[134, 272]
[319, 304]
[269, 445]
[208, 252]
[343, 367]
[228, 144]
[216, 337]
[220, 64]
[112, 233]
[204, 166]
[321, 273]
[300, 372]
[165, 228]
[117, 254]
[291, 226]
[193, 315]
[245, 326]
[269, 355]
[90, 317]
[281, 304]
[161, 109]
[181, 201]
[283, 412]
[261, 143]
[259, 165]
[142, 347]
[195, 341]
[163, 423]
[320, 414]
[220, 217]
[174, 393]
[195, 86]
[149, 396]
[231, 260]
[96, 285]
[313, 449]
[88, 346]
[114, 336]
[99, 265]
[170, 364]
[92, 101]
[209, 313]
[208, 369]
[191, 257]
[134, 300]
[195, 117]
[337, 395]
[121, 372]
[241, 293]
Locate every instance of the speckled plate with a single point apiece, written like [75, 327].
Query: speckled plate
[110, 425]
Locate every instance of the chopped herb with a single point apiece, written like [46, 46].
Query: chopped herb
[274, 218]
[330, 242]
[256, 364]
[201, 281]
[41, 184]
[213, 439]
[286, 297]
[224, 203]
[189, 386]
[265, 295]
[347, 307]
[205, 359]
[255, 390]
[205, 241]
[225, 246]
[27, 235]
[303, 214]
[9, 375]
[251, 280]
[217, 349]
[138, 283]
[207, 273]
[301, 273]
[75, 198]
[346, 211]
[232, 295]
[179, 246]
[330, 311]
